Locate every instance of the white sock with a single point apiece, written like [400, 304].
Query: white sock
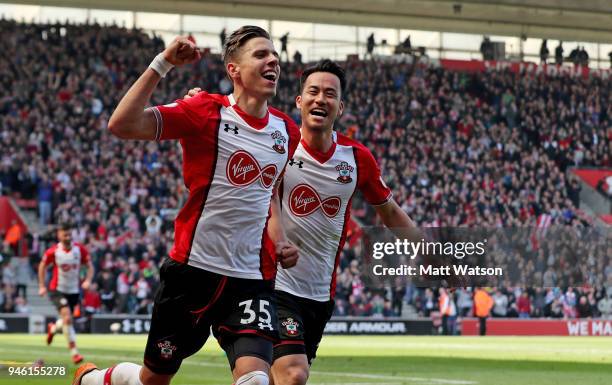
[71, 337]
[125, 373]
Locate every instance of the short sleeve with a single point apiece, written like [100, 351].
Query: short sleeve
[185, 118]
[294, 137]
[371, 184]
[84, 254]
[49, 256]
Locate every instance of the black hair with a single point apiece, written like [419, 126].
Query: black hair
[324, 65]
[65, 226]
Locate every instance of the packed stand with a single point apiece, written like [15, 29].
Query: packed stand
[487, 149]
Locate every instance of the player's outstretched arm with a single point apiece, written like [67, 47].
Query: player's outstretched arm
[398, 221]
[130, 120]
[404, 228]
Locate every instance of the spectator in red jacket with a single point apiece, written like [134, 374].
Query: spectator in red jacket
[524, 305]
[91, 299]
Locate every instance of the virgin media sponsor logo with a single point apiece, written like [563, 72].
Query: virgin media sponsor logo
[243, 169]
[304, 201]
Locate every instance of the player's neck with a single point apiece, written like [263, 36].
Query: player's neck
[250, 104]
[317, 140]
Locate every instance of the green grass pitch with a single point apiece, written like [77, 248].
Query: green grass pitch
[358, 360]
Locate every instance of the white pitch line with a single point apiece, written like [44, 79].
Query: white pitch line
[355, 383]
[323, 373]
[397, 378]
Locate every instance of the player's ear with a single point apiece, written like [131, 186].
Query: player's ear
[233, 70]
[298, 102]
[340, 108]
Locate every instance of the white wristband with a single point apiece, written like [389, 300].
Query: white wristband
[161, 65]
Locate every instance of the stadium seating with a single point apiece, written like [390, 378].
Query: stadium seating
[487, 149]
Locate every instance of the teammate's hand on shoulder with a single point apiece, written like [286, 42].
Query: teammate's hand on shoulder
[286, 254]
[182, 51]
[42, 291]
[192, 92]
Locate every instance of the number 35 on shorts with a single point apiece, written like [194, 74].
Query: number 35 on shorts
[256, 312]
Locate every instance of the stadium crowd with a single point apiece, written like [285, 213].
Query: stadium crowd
[483, 150]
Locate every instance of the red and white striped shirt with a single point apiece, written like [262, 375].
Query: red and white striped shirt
[66, 266]
[231, 162]
[316, 198]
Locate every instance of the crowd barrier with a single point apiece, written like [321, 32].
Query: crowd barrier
[139, 324]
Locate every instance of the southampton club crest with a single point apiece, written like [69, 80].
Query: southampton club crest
[344, 170]
[166, 349]
[279, 142]
[291, 326]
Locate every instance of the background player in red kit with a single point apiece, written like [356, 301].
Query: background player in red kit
[218, 275]
[66, 258]
[316, 193]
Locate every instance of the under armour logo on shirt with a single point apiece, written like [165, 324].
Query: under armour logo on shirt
[228, 128]
[293, 162]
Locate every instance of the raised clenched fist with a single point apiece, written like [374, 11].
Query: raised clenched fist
[182, 51]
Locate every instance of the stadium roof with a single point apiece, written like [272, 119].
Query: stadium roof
[586, 20]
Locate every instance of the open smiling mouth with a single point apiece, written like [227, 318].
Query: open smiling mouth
[269, 75]
[319, 112]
